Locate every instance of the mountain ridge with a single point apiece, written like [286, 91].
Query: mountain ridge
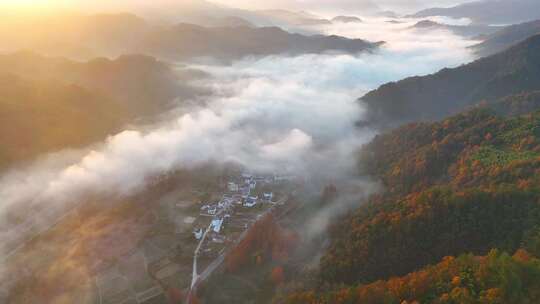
[452, 90]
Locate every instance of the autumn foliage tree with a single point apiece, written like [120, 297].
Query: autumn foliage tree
[496, 278]
[277, 275]
[265, 241]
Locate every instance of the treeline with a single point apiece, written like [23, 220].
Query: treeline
[496, 278]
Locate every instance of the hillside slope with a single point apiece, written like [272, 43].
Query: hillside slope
[489, 11]
[145, 84]
[234, 43]
[48, 104]
[507, 37]
[491, 279]
[452, 90]
[467, 184]
[111, 35]
[39, 117]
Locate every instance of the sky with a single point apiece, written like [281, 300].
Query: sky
[356, 6]
[341, 6]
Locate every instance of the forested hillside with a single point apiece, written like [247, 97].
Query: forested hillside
[111, 35]
[507, 37]
[39, 117]
[453, 90]
[488, 11]
[49, 104]
[145, 84]
[466, 185]
[496, 278]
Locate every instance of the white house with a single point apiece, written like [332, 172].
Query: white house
[268, 196]
[251, 201]
[212, 210]
[198, 234]
[252, 184]
[216, 225]
[233, 187]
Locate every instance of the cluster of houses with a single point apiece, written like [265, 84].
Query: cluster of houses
[241, 192]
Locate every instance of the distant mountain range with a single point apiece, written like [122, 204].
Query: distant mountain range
[489, 11]
[507, 37]
[462, 30]
[452, 90]
[233, 43]
[346, 19]
[85, 37]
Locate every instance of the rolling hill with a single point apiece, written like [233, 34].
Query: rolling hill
[466, 187]
[489, 11]
[49, 104]
[469, 31]
[506, 38]
[452, 90]
[235, 43]
[84, 37]
[40, 117]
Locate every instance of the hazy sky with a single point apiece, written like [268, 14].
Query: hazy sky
[344, 5]
[352, 6]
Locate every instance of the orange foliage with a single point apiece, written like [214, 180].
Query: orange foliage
[277, 275]
[175, 296]
[265, 240]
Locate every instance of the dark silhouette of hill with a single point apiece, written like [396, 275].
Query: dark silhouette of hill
[452, 90]
[39, 117]
[145, 84]
[223, 38]
[462, 30]
[50, 104]
[233, 43]
[507, 37]
[489, 11]
[347, 19]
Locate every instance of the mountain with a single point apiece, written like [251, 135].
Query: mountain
[49, 104]
[235, 43]
[462, 30]
[145, 84]
[463, 186]
[452, 90]
[40, 117]
[447, 184]
[346, 19]
[507, 37]
[489, 11]
[84, 37]
[494, 278]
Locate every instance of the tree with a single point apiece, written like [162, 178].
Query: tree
[277, 275]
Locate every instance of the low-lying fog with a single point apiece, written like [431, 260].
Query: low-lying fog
[294, 114]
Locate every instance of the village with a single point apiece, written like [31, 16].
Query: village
[189, 240]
